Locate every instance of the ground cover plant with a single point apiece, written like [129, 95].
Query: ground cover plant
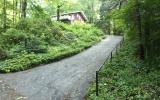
[33, 42]
[127, 77]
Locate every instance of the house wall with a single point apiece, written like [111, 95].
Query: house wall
[75, 17]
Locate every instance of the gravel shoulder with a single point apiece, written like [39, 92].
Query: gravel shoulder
[67, 79]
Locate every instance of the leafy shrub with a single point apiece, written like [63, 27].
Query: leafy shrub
[56, 32]
[45, 29]
[35, 26]
[39, 41]
[70, 36]
[35, 45]
[23, 24]
[21, 62]
[3, 53]
[13, 36]
[1, 29]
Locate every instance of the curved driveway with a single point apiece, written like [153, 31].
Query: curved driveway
[67, 79]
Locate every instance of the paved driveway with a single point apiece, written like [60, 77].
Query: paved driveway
[67, 79]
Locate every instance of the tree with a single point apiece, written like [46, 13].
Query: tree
[24, 8]
[139, 27]
[13, 11]
[4, 15]
[107, 22]
[91, 9]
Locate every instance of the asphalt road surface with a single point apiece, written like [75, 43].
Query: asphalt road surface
[67, 79]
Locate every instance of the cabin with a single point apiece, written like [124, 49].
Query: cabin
[72, 17]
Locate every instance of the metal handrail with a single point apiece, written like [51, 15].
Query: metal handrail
[109, 57]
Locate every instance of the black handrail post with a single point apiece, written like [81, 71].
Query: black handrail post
[123, 39]
[117, 49]
[97, 83]
[111, 57]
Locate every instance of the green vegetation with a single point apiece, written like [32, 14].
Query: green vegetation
[134, 72]
[127, 77]
[27, 44]
[28, 37]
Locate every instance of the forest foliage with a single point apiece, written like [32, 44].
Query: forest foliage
[137, 19]
[134, 71]
[29, 44]
[29, 37]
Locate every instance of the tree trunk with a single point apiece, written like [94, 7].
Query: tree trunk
[58, 12]
[120, 4]
[92, 12]
[147, 31]
[139, 23]
[13, 11]
[4, 15]
[20, 7]
[16, 7]
[24, 8]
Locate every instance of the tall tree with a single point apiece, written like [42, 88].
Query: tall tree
[4, 15]
[14, 10]
[24, 8]
[58, 11]
[16, 7]
[139, 26]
